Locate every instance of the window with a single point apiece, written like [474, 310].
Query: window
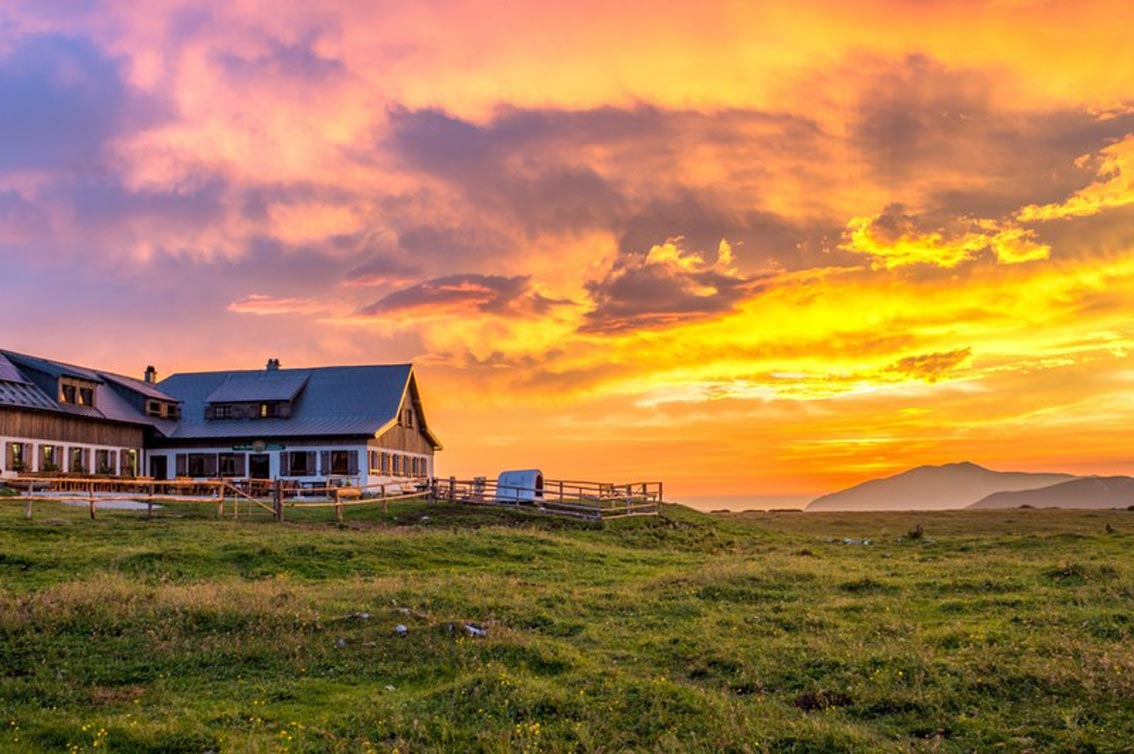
[231, 464]
[263, 410]
[50, 456]
[409, 418]
[105, 461]
[78, 463]
[76, 392]
[373, 457]
[224, 411]
[298, 463]
[385, 463]
[129, 459]
[153, 408]
[344, 462]
[18, 456]
[201, 465]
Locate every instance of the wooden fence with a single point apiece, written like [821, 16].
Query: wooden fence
[588, 500]
[273, 496]
[591, 500]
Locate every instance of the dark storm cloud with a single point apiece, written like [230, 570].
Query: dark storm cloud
[63, 100]
[469, 292]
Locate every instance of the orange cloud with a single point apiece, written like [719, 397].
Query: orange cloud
[1113, 188]
[893, 239]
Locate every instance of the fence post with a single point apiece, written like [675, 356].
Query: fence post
[627, 498]
[338, 506]
[452, 488]
[277, 498]
[27, 505]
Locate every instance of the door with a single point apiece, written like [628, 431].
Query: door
[259, 467]
[159, 467]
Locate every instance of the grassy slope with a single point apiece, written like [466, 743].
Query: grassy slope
[756, 632]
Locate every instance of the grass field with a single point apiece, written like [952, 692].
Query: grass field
[1002, 631]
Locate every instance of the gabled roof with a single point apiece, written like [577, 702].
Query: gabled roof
[350, 400]
[36, 375]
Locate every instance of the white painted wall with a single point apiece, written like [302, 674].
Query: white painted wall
[365, 476]
[64, 462]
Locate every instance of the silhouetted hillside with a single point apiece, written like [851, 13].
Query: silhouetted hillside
[1085, 492]
[954, 485]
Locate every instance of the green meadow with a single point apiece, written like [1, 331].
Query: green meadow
[760, 632]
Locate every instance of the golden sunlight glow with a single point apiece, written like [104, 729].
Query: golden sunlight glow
[747, 248]
[1113, 188]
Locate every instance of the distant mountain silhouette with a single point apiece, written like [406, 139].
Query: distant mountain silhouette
[1084, 492]
[932, 488]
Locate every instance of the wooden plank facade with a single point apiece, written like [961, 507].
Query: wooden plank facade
[40, 425]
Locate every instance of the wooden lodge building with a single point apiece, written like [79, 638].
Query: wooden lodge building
[357, 424]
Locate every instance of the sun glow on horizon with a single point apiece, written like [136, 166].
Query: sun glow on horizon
[744, 250]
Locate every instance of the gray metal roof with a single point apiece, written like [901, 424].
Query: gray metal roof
[8, 371]
[147, 389]
[38, 375]
[354, 400]
[50, 368]
[259, 386]
[23, 394]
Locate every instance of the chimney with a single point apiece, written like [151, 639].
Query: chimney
[273, 365]
[151, 374]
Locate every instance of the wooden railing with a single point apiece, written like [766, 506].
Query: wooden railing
[273, 496]
[591, 500]
[579, 499]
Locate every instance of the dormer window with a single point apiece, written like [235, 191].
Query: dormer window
[162, 410]
[76, 392]
[271, 395]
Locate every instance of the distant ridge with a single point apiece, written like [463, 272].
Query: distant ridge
[1084, 492]
[933, 488]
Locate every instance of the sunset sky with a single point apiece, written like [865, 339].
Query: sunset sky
[753, 249]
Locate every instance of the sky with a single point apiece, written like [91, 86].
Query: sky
[748, 249]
